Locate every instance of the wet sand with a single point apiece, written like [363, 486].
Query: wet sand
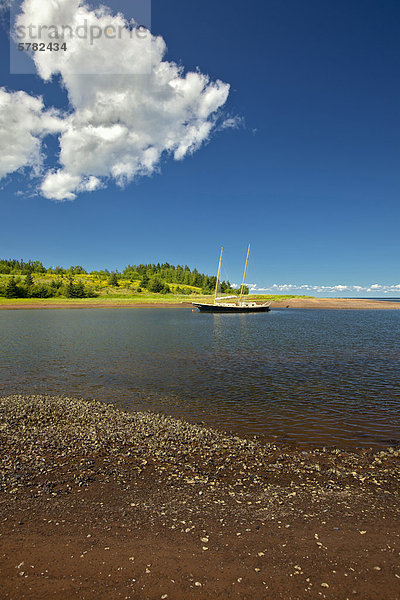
[337, 303]
[99, 503]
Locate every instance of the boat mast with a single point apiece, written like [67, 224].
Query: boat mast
[219, 270]
[244, 275]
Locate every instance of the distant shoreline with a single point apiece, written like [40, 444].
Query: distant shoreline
[309, 303]
[63, 305]
[337, 304]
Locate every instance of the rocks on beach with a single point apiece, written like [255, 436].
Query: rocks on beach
[275, 516]
[37, 430]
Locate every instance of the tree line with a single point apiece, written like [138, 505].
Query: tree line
[13, 266]
[154, 278]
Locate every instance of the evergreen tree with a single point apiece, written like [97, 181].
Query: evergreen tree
[113, 280]
[156, 285]
[165, 289]
[41, 291]
[144, 282]
[79, 290]
[28, 280]
[70, 289]
[12, 290]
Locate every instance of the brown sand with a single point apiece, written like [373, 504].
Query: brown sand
[336, 303]
[325, 303]
[16, 305]
[149, 508]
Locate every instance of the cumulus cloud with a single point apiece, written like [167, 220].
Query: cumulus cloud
[128, 106]
[58, 185]
[23, 124]
[296, 288]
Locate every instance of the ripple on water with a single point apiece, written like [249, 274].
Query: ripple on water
[320, 377]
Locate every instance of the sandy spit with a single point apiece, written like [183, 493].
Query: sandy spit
[337, 303]
[318, 303]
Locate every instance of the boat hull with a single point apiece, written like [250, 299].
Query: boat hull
[214, 308]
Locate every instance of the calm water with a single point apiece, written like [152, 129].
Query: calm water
[310, 376]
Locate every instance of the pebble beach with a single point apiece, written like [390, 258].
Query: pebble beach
[96, 502]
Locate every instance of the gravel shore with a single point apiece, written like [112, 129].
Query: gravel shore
[100, 503]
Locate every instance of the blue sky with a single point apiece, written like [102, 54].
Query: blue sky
[309, 174]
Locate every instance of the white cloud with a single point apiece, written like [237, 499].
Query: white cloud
[58, 185]
[137, 108]
[232, 123]
[23, 123]
[295, 288]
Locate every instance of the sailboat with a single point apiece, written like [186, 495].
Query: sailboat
[232, 307]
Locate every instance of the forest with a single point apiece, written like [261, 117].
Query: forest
[31, 279]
